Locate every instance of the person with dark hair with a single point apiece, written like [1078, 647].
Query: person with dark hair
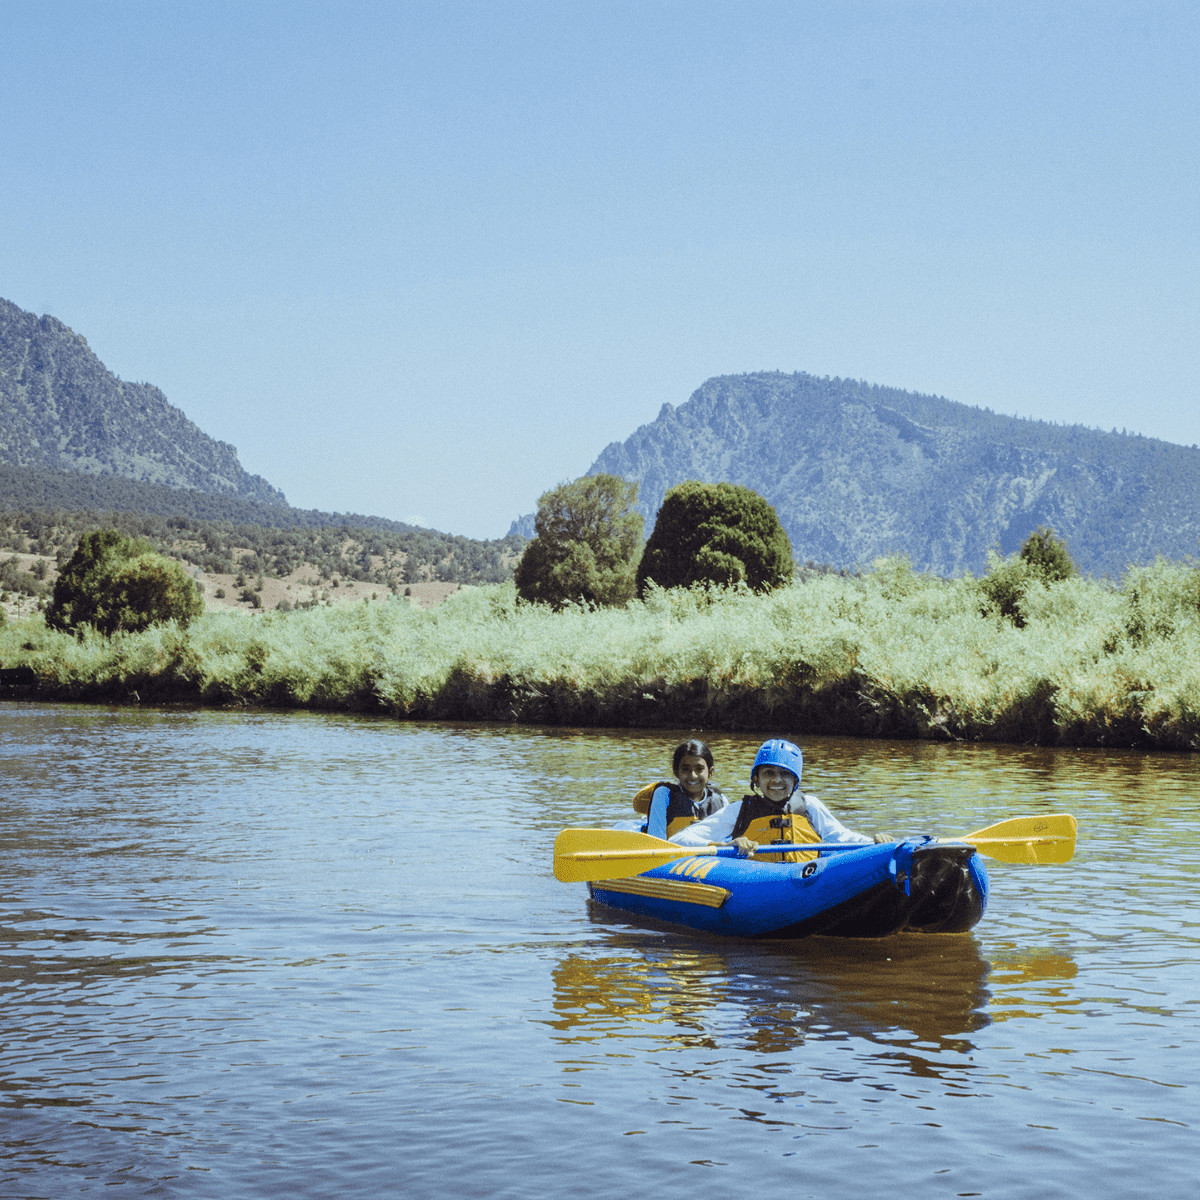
[670, 807]
[775, 813]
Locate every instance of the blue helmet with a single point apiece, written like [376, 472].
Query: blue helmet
[778, 753]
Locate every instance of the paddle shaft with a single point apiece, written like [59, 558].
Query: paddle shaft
[719, 851]
[588, 855]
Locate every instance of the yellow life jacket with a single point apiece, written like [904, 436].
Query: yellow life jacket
[641, 802]
[768, 825]
[675, 824]
[680, 820]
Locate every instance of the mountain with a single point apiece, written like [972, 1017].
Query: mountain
[81, 448]
[61, 408]
[856, 471]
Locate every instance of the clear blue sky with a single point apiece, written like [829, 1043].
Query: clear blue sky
[425, 259]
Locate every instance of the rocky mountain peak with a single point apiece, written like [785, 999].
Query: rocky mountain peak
[61, 408]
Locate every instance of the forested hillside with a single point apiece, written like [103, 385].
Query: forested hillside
[42, 513]
[60, 407]
[856, 471]
[332, 546]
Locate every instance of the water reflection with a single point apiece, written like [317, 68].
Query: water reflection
[772, 997]
[1032, 984]
[916, 998]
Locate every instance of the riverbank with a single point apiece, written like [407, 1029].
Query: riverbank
[886, 654]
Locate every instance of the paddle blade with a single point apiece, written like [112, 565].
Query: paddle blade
[1035, 840]
[586, 855]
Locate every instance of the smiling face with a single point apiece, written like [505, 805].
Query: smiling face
[776, 783]
[692, 774]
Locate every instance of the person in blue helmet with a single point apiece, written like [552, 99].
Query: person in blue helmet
[775, 813]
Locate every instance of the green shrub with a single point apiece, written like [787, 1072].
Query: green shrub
[1043, 560]
[585, 549]
[1047, 556]
[114, 583]
[1003, 587]
[719, 534]
[28, 583]
[1160, 600]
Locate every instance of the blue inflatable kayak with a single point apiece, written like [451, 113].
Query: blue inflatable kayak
[917, 884]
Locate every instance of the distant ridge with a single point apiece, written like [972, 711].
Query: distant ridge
[856, 471]
[36, 489]
[61, 408]
[44, 512]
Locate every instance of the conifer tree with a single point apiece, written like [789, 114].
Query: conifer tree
[588, 535]
[717, 533]
[1047, 554]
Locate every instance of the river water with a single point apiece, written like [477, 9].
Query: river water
[258, 954]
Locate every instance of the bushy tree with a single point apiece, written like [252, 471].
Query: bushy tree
[113, 582]
[1043, 558]
[718, 533]
[1003, 587]
[1047, 555]
[585, 550]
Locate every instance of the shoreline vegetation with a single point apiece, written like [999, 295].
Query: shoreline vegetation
[888, 653]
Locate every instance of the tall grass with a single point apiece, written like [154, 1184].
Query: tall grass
[889, 653]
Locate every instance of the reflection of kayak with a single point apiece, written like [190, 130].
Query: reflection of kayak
[771, 996]
[859, 891]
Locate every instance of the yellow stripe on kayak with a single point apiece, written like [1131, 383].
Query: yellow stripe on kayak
[669, 889]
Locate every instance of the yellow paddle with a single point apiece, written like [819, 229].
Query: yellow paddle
[1037, 840]
[587, 855]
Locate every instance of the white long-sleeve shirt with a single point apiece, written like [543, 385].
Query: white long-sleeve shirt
[719, 826]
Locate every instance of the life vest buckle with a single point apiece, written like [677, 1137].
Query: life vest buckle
[781, 822]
